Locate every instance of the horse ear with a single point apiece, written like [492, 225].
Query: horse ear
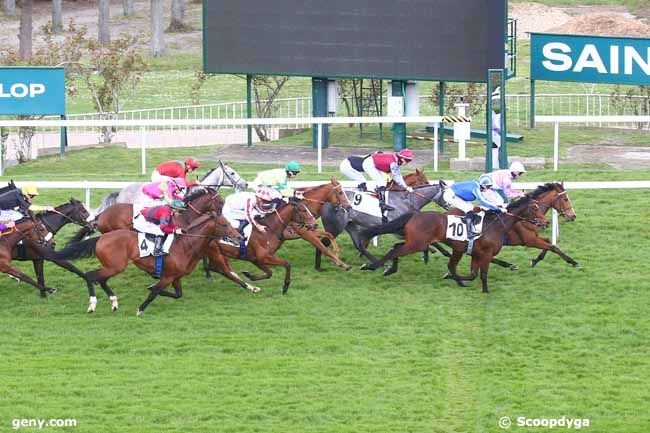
[418, 170]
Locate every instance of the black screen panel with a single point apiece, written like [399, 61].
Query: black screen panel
[451, 40]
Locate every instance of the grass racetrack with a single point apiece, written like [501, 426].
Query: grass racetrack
[345, 351]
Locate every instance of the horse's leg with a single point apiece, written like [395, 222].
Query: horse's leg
[442, 250]
[5, 266]
[312, 236]
[70, 267]
[484, 266]
[38, 271]
[220, 264]
[452, 266]
[326, 241]
[111, 296]
[393, 267]
[206, 268]
[545, 244]
[264, 263]
[474, 271]
[155, 291]
[178, 290]
[398, 250]
[538, 259]
[358, 241]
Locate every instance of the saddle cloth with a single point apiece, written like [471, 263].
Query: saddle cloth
[457, 229]
[366, 202]
[146, 243]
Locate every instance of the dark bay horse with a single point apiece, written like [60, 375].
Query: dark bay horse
[335, 221]
[548, 196]
[117, 248]
[72, 212]
[263, 245]
[424, 228]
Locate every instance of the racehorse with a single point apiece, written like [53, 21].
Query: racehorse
[199, 200]
[263, 245]
[424, 228]
[314, 198]
[29, 231]
[222, 175]
[72, 212]
[548, 196]
[357, 223]
[116, 248]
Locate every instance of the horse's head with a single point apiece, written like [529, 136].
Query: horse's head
[534, 213]
[75, 210]
[302, 216]
[419, 178]
[561, 202]
[224, 175]
[224, 229]
[337, 196]
[203, 199]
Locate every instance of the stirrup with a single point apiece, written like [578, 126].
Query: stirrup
[385, 207]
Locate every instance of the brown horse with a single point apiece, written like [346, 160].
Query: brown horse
[117, 248]
[199, 200]
[548, 196]
[32, 233]
[263, 245]
[424, 228]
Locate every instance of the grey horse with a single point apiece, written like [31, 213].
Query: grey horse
[222, 175]
[356, 223]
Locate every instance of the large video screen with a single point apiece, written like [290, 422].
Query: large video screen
[448, 40]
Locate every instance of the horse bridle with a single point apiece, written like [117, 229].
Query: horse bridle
[339, 202]
[563, 210]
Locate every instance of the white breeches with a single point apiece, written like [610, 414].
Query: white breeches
[351, 173]
[157, 177]
[453, 201]
[10, 215]
[377, 176]
[141, 224]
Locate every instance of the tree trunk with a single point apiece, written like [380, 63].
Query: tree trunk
[104, 32]
[25, 32]
[9, 7]
[157, 31]
[57, 16]
[177, 23]
[129, 10]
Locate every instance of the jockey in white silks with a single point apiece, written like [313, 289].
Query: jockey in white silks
[241, 209]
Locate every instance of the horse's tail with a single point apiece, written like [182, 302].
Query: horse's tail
[108, 201]
[394, 226]
[77, 250]
[85, 231]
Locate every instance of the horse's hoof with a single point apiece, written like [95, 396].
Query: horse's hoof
[114, 304]
[513, 267]
[90, 310]
[367, 267]
[285, 288]
[209, 277]
[578, 266]
[388, 272]
[533, 263]
[347, 267]
[51, 290]
[139, 313]
[447, 276]
[318, 269]
[247, 274]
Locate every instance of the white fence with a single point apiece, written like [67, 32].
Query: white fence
[547, 104]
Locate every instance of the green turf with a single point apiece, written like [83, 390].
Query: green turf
[342, 352]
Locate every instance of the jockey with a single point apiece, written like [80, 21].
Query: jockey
[352, 168]
[158, 221]
[503, 179]
[241, 209]
[277, 178]
[379, 163]
[155, 193]
[462, 194]
[175, 169]
[17, 205]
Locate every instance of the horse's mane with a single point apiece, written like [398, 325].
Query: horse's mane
[194, 192]
[208, 174]
[550, 186]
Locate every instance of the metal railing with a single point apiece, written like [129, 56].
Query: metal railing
[567, 104]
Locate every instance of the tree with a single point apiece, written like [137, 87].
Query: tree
[25, 32]
[9, 7]
[127, 7]
[635, 99]
[157, 34]
[57, 16]
[265, 89]
[104, 32]
[177, 22]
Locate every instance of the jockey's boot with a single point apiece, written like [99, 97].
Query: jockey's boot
[158, 246]
[381, 195]
[470, 219]
[362, 187]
